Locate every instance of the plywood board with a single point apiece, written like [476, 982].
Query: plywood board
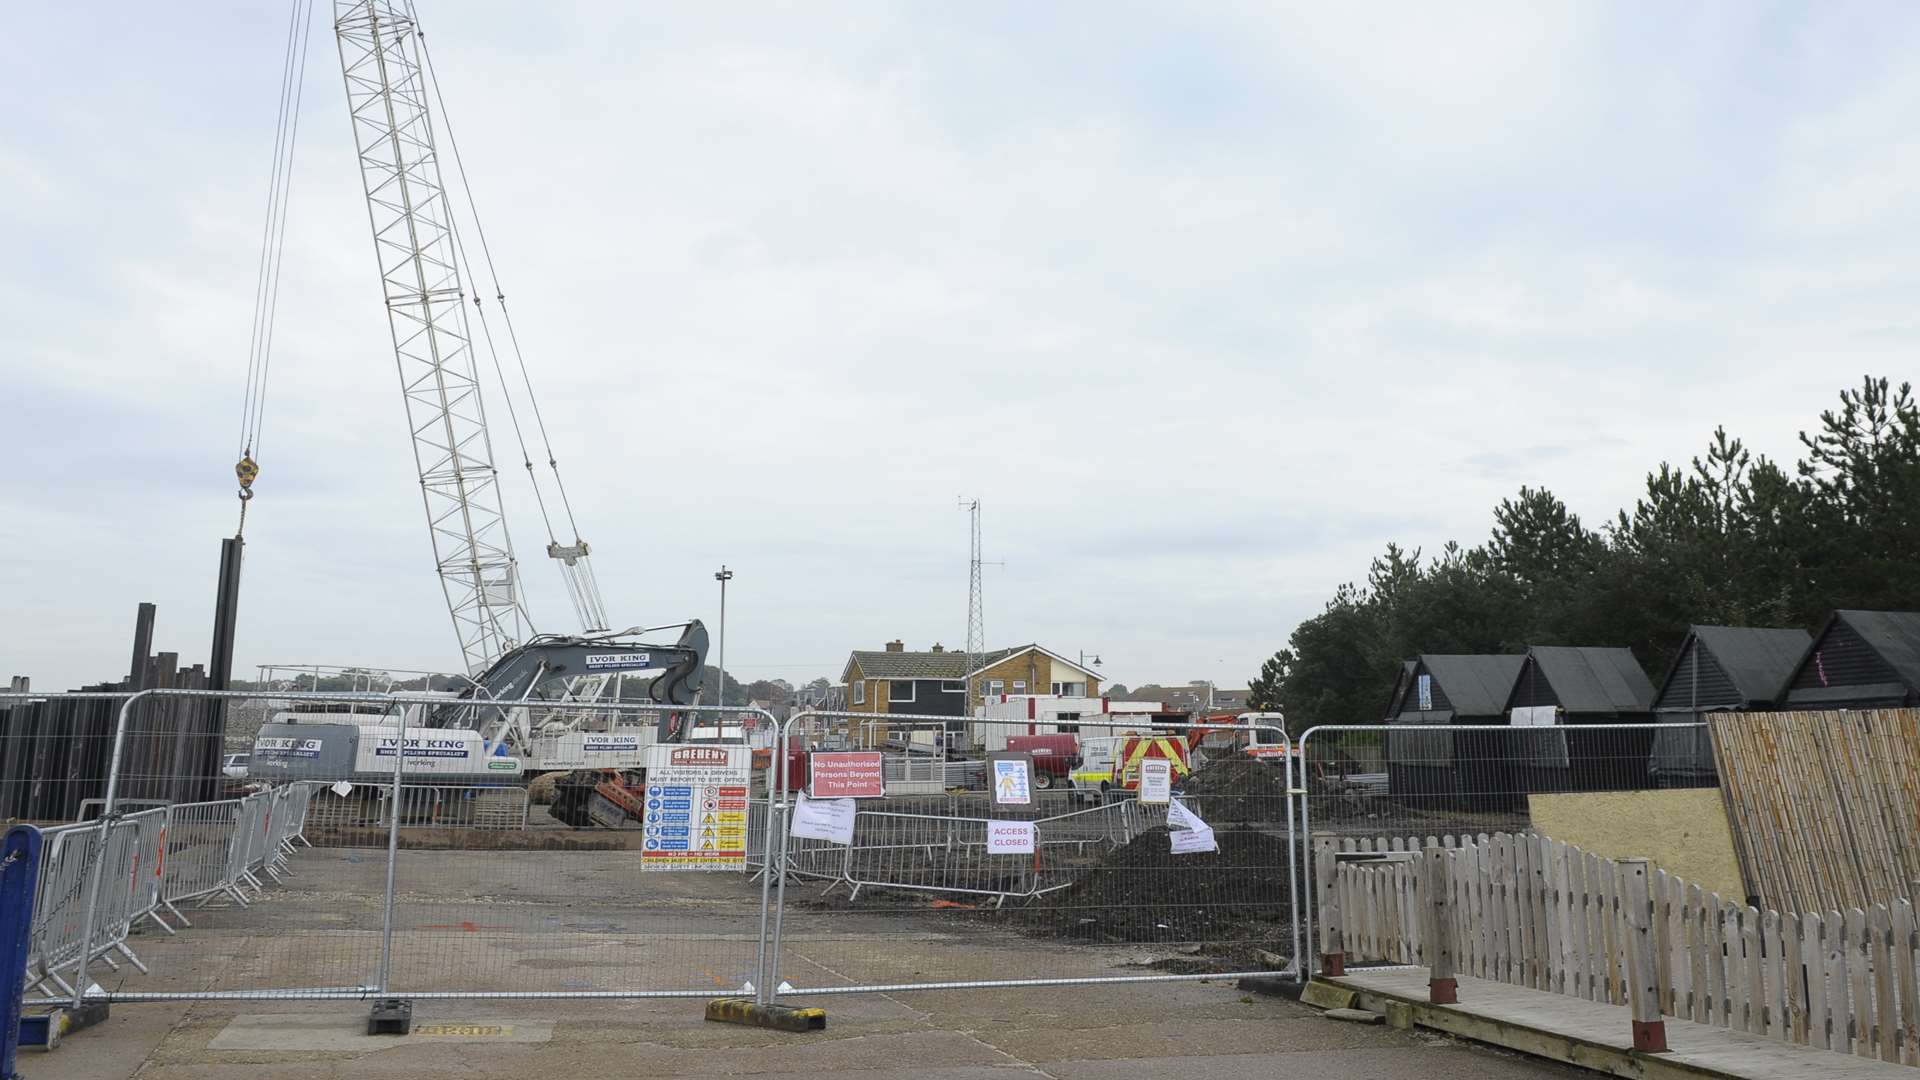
[1683, 830]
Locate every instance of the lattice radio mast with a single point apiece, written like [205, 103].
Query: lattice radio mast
[976, 617]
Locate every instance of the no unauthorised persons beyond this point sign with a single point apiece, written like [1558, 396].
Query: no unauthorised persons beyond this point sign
[855, 775]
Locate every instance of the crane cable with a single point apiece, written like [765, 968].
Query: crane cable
[273, 242]
[500, 298]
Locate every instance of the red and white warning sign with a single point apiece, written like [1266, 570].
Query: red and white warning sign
[855, 775]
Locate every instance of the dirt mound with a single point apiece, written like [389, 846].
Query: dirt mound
[1143, 892]
[540, 791]
[1236, 789]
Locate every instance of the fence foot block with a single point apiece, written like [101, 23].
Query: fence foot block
[1650, 1037]
[771, 1015]
[1280, 986]
[1323, 995]
[1443, 991]
[48, 1029]
[390, 1016]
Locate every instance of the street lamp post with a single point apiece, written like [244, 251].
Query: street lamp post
[1083, 658]
[723, 576]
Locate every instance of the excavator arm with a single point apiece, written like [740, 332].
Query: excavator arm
[525, 669]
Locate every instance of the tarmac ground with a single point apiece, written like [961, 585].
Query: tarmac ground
[589, 922]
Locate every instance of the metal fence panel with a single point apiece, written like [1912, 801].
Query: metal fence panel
[499, 896]
[1392, 787]
[362, 885]
[1101, 895]
[201, 839]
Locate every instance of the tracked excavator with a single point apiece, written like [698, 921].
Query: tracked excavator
[502, 730]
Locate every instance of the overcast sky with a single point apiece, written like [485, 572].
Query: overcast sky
[1207, 302]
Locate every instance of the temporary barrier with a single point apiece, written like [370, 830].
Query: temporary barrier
[67, 862]
[1386, 787]
[201, 840]
[617, 888]
[572, 889]
[132, 870]
[1012, 867]
[1192, 876]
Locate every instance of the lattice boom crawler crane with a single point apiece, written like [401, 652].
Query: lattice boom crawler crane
[503, 727]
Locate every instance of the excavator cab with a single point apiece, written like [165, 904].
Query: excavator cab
[609, 798]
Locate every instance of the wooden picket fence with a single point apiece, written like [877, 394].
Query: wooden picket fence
[1530, 911]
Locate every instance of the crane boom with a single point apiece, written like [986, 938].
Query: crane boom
[417, 249]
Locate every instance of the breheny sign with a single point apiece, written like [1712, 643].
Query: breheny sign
[1156, 781]
[696, 808]
[856, 775]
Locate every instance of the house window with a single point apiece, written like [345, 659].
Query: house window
[1019, 686]
[899, 690]
[953, 686]
[860, 693]
[995, 687]
[1070, 689]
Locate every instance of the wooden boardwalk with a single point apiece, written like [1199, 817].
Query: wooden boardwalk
[1599, 1035]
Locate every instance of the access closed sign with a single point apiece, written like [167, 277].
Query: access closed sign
[696, 811]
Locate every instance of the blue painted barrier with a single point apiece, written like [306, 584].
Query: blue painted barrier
[19, 872]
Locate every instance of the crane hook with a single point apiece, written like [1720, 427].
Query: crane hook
[246, 469]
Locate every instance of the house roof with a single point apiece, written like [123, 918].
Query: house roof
[1593, 679]
[1477, 685]
[950, 664]
[1892, 636]
[880, 664]
[1400, 682]
[1895, 635]
[1759, 660]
